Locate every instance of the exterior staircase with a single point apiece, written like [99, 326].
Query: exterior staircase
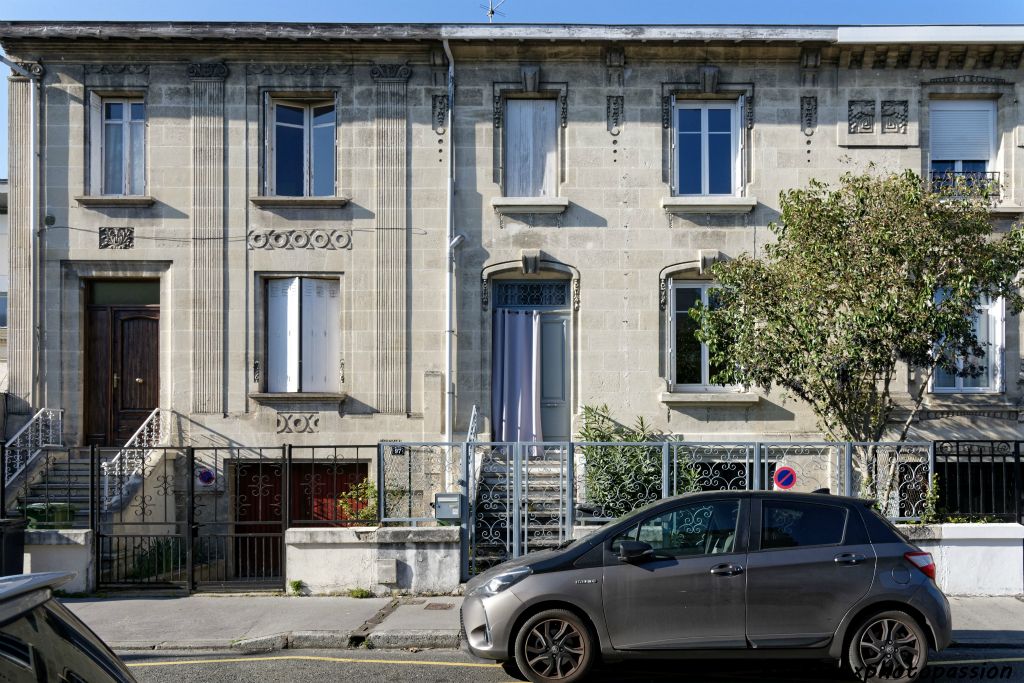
[541, 501]
[24, 481]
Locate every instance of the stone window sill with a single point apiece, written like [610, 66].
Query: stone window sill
[114, 200]
[708, 204]
[710, 399]
[507, 205]
[298, 397]
[1011, 209]
[273, 201]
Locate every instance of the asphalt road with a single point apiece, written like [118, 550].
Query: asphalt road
[432, 666]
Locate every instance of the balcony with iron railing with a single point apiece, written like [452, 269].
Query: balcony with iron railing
[966, 183]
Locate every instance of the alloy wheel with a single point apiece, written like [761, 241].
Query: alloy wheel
[554, 649]
[890, 649]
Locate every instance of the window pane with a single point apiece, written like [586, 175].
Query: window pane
[323, 115]
[113, 111]
[3, 309]
[704, 529]
[290, 115]
[690, 163]
[689, 120]
[790, 525]
[323, 161]
[943, 166]
[137, 152]
[719, 120]
[288, 162]
[974, 166]
[944, 379]
[113, 159]
[531, 148]
[688, 348]
[138, 111]
[720, 163]
[982, 331]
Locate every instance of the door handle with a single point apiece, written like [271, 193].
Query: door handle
[849, 559]
[726, 569]
[115, 380]
[138, 380]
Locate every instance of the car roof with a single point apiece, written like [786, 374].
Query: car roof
[778, 495]
[15, 586]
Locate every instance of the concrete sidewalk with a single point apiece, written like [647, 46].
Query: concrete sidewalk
[258, 624]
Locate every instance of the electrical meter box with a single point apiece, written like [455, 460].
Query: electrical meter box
[448, 507]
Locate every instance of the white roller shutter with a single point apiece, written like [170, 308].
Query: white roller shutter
[963, 130]
[319, 335]
[283, 335]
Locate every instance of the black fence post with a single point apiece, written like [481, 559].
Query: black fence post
[190, 518]
[1018, 483]
[95, 514]
[286, 511]
[3, 483]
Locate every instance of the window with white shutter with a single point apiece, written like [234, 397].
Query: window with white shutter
[531, 148]
[303, 346]
[963, 140]
[301, 149]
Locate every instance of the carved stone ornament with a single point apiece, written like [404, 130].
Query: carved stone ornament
[709, 76]
[563, 110]
[968, 78]
[439, 113]
[616, 103]
[615, 60]
[499, 112]
[34, 68]
[117, 69]
[861, 116]
[575, 294]
[298, 69]
[666, 112]
[894, 116]
[313, 238]
[394, 73]
[663, 294]
[810, 62]
[117, 238]
[298, 423]
[956, 60]
[529, 76]
[208, 70]
[809, 114]
[485, 292]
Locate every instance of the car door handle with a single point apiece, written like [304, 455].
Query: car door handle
[726, 570]
[849, 559]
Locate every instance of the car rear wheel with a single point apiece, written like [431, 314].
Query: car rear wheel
[554, 645]
[890, 646]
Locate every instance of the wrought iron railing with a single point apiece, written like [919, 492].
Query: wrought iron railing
[122, 472]
[981, 479]
[44, 429]
[967, 183]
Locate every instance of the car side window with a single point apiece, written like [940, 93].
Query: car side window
[706, 528]
[793, 524]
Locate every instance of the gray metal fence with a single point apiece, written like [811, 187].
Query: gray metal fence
[524, 496]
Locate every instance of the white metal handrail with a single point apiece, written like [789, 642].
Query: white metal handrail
[44, 429]
[129, 462]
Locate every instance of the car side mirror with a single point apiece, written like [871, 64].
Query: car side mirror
[635, 552]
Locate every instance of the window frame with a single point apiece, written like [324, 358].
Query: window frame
[992, 161]
[995, 312]
[557, 172]
[99, 143]
[674, 285]
[738, 179]
[264, 350]
[308, 104]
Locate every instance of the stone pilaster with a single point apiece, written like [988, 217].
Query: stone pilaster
[21, 347]
[392, 268]
[208, 168]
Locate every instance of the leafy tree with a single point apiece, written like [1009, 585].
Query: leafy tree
[877, 272]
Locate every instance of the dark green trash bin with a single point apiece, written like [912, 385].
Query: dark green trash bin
[50, 515]
[12, 546]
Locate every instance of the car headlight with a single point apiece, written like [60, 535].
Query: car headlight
[501, 581]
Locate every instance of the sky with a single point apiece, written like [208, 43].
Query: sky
[518, 11]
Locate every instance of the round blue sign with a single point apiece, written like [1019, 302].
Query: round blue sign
[785, 478]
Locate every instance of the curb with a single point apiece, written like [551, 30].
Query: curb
[309, 640]
[435, 639]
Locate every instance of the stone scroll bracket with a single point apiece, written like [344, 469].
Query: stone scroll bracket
[391, 261]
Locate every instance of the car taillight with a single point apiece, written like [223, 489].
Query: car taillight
[922, 561]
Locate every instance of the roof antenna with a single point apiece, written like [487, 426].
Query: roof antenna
[492, 9]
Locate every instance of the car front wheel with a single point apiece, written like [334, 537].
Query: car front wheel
[554, 645]
[890, 646]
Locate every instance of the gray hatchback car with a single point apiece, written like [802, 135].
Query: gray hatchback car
[717, 574]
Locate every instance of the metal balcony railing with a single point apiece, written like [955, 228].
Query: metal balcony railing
[966, 183]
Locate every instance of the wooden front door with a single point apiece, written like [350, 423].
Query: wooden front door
[122, 378]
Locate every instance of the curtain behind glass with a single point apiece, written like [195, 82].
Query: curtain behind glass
[515, 376]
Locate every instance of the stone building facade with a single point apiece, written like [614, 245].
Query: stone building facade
[248, 225]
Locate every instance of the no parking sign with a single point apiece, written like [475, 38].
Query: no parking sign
[785, 478]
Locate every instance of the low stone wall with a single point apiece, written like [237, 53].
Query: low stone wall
[382, 560]
[973, 559]
[60, 550]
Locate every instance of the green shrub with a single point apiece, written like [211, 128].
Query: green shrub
[359, 503]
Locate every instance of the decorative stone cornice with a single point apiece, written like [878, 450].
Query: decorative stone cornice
[207, 70]
[117, 69]
[298, 69]
[300, 239]
[390, 73]
[968, 79]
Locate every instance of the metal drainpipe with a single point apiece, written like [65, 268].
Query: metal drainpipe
[450, 246]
